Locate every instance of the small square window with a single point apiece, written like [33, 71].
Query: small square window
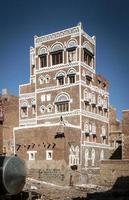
[31, 154]
[43, 97]
[48, 97]
[49, 155]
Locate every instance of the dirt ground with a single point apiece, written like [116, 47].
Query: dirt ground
[49, 191]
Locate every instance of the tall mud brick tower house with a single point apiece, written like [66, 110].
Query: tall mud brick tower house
[64, 108]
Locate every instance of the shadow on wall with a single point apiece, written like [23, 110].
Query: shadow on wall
[117, 154]
[119, 191]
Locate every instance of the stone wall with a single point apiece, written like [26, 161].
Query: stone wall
[125, 131]
[10, 120]
[111, 170]
[1, 138]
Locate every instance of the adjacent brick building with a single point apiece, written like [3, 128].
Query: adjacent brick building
[115, 129]
[9, 118]
[63, 110]
[125, 131]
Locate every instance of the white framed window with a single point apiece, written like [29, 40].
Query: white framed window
[102, 155]
[86, 157]
[74, 155]
[41, 79]
[32, 155]
[48, 97]
[62, 103]
[49, 155]
[49, 108]
[24, 109]
[93, 129]
[86, 127]
[100, 100]
[93, 157]
[42, 109]
[42, 97]
[33, 103]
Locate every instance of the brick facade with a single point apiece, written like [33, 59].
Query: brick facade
[125, 131]
[64, 84]
[9, 121]
[115, 129]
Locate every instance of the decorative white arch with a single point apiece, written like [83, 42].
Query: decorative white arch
[58, 46]
[93, 156]
[86, 157]
[49, 108]
[88, 46]
[62, 97]
[71, 71]
[41, 79]
[24, 108]
[42, 109]
[42, 50]
[93, 128]
[47, 78]
[60, 73]
[74, 155]
[24, 103]
[102, 155]
[72, 43]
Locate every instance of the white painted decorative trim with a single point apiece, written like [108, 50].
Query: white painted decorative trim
[74, 113]
[91, 39]
[31, 121]
[56, 67]
[27, 95]
[60, 87]
[98, 145]
[87, 67]
[95, 116]
[39, 40]
[45, 125]
[95, 89]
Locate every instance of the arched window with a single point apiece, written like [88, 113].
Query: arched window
[71, 51]
[86, 157]
[93, 156]
[71, 76]
[62, 103]
[49, 108]
[94, 132]
[103, 131]
[77, 155]
[42, 109]
[60, 76]
[47, 78]
[74, 155]
[93, 99]
[86, 127]
[33, 103]
[102, 155]
[93, 128]
[88, 54]
[41, 79]
[105, 104]
[57, 54]
[24, 109]
[87, 131]
[99, 100]
[103, 135]
[43, 57]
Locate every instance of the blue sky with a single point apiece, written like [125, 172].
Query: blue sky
[20, 20]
